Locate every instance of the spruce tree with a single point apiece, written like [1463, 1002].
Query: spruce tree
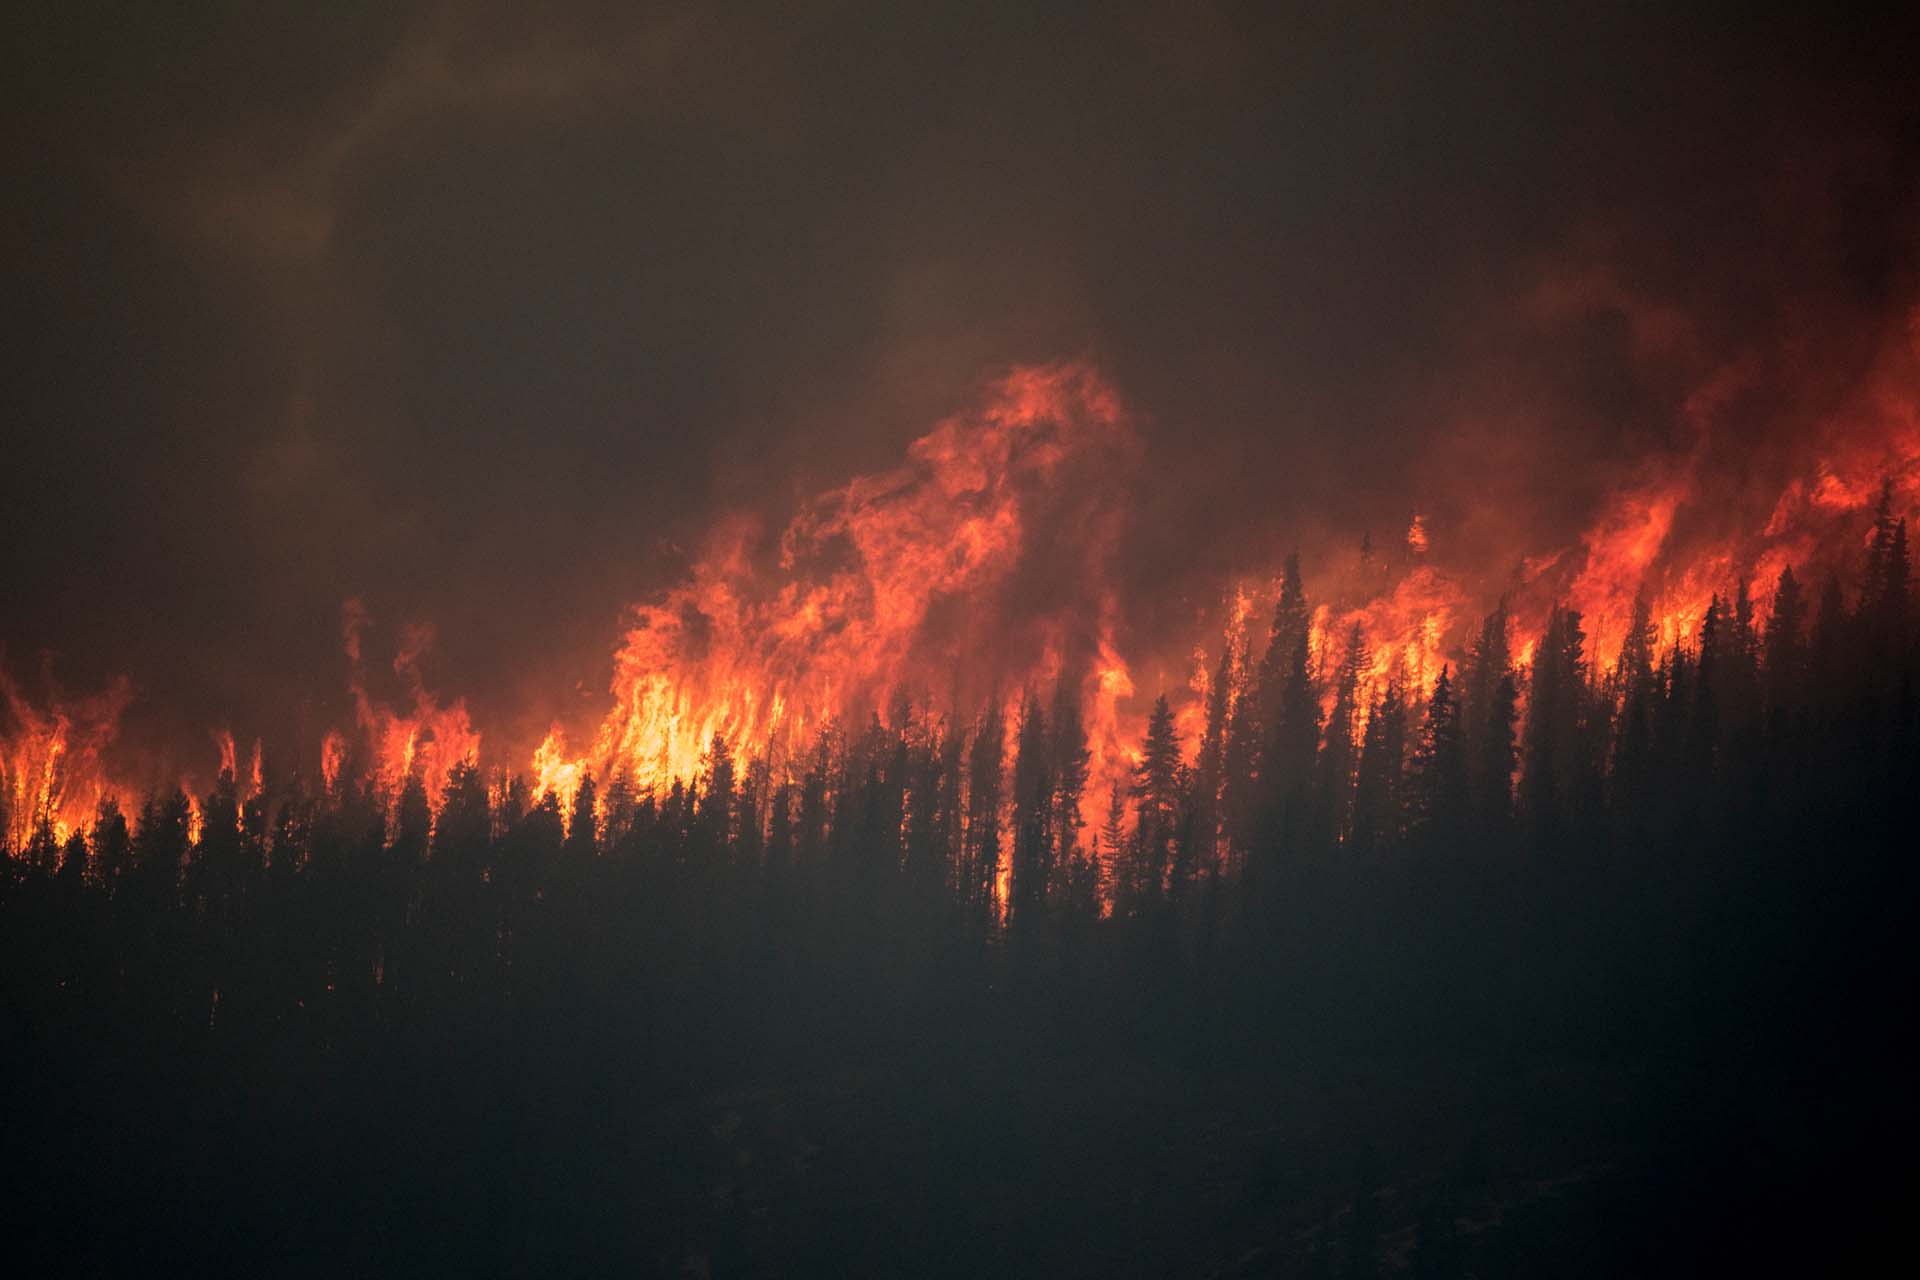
[1437, 784]
[1378, 788]
[1884, 593]
[1291, 713]
[73, 863]
[1071, 761]
[1634, 693]
[1488, 699]
[161, 846]
[981, 863]
[716, 803]
[1339, 758]
[1783, 646]
[1561, 767]
[582, 843]
[112, 846]
[1031, 869]
[1210, 766]
[216, 869]
[1156, 795]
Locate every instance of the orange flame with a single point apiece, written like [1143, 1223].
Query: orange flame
[52, 773]
[985, 567]
[894, 584]
[430, 743]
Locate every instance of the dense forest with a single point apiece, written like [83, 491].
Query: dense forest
[1636, 938]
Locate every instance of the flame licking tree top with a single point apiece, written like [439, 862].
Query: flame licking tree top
[687, 639]
[984, 569]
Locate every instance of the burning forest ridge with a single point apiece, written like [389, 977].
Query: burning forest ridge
[1157, 639]
[956, 594]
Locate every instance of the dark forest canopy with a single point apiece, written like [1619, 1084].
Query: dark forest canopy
[495, 314]
[1698, 858]
[1290, 764]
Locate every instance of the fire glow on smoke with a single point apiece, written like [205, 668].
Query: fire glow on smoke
[984, 567]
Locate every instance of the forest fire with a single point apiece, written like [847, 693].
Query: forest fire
[51, 774]
[1151, 639]
[902, 588]
[982, 571]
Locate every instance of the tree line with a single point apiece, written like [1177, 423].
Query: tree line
[1693, 847]
[917, 826]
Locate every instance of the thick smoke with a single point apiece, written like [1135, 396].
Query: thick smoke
[494, 321]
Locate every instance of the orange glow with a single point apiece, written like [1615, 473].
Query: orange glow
[1620, 551]
[556, 774]
[890, 585]
[987, 567]
[1417, 535]
[428, 743]
[333, 755]
[51, 767]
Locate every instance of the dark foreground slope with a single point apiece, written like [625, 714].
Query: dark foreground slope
[1726, 1090]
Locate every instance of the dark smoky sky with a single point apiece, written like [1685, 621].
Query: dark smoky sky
[480, 315]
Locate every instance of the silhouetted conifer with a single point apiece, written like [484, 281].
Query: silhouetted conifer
[1071, 760]
[1437, 785]
[1340, 756]
[980, 867]
[1292, 711]
[1156, 796]
[1489, 715]
[112, 847]
[1031, 869]
[1378, 802]
[1783, 646]
[1560, 765]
